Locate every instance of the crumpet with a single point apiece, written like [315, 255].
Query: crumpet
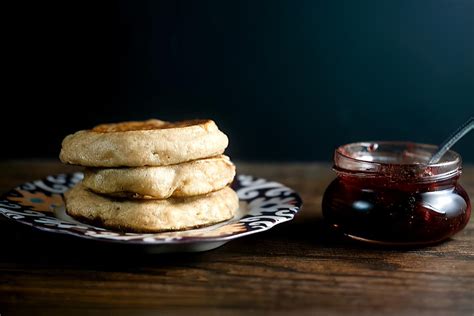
[185, 179]
[147, 143]
[149, 216]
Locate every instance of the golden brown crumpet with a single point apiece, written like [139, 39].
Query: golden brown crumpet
[186, 179]
[147, 143]
[144, 125]
[147, 216]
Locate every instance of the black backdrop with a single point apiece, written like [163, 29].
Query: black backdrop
[286, 80]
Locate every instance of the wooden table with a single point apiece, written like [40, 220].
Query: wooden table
[295, 268]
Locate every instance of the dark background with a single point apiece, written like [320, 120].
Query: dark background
[286, 80]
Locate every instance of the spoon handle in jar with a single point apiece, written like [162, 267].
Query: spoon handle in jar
[450, 141]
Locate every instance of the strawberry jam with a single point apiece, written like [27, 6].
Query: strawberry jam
[386, 193]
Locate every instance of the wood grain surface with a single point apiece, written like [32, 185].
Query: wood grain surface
[295, 268]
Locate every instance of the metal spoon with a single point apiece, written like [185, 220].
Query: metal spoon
[451, 140]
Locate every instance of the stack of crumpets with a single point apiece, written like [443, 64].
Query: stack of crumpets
[151, 176]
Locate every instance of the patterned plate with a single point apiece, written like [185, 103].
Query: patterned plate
[263, 204]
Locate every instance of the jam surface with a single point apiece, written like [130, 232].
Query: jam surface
[395, 209]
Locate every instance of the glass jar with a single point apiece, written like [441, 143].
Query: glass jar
[386, 193]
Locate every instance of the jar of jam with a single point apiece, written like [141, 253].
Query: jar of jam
[386, 193]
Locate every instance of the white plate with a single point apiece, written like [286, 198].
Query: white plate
[263, 204]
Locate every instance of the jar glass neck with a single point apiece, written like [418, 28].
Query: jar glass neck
[396, 161]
